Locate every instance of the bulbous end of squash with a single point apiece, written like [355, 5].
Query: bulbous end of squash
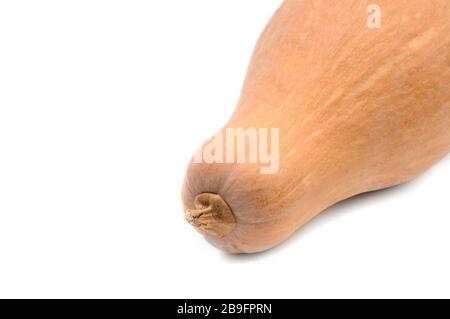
[211, 215]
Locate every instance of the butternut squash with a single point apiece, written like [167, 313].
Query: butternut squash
[358, 109]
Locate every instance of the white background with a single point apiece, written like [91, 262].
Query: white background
[102, 104]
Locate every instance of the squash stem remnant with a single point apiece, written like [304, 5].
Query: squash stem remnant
[211, 215]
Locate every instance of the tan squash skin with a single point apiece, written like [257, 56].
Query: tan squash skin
[358, 110]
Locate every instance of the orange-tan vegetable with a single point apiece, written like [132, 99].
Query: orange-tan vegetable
[358, 109]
